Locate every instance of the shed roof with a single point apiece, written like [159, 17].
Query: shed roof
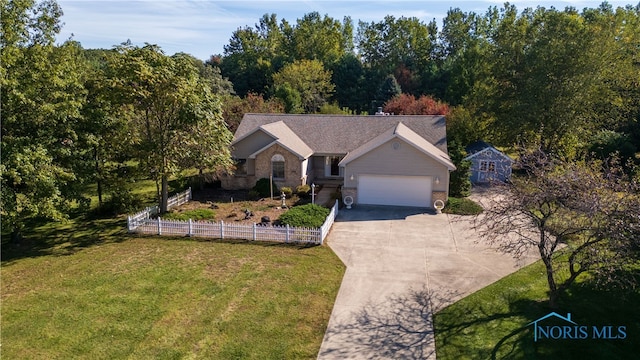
[479, 146]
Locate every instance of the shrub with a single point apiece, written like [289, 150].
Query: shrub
[303, 191]
[253, 195]
[196, 214]
[262, 188]
[462, 206]
[460, 181]
[310, 215]
[287, 191]
[121, 201]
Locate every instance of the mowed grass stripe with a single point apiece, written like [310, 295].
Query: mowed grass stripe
[170, 298]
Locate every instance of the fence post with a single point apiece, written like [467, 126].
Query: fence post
[254, 231]
[159, 226]
[221, 229]
[129, 223]
[287, 234]
[190, 227]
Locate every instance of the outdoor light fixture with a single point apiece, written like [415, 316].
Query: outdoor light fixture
[351, 178]
[437, 180]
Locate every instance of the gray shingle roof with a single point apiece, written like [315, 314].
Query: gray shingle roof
[477, 146]
[340, 134]
[403, 132]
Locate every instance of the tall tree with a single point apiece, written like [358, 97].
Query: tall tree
[402, 46]
[349, 77]
[464, 43]
[321, 38]
[388, 90]
[551, 83]
[234, 108]
[41, 98]
[174, 115]
[309, 79]
[254, 54]
[104, 136]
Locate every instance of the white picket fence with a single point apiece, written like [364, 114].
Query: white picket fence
[135, 220]
[222, 230]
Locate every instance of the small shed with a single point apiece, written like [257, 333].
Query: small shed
[488, 163]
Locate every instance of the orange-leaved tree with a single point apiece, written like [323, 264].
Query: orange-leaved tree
[405, 104]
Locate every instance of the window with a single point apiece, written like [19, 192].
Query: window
[277, 166]
[489, 166]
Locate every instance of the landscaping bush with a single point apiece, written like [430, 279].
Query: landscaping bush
[310, 215]
[287, 191]
[196, 214]
[304, 191]
[460, 180]
[253, 195]
[121, 201]
[462, 206]
[262, 188]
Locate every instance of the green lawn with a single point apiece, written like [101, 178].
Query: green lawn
[492, 323]
[87, 290]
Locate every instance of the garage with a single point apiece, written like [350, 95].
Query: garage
[395, 190]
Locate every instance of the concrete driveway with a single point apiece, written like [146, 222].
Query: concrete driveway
[403, 264]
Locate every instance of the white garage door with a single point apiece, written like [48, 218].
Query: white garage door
[395, 190]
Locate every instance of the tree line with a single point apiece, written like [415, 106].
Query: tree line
[567, 81]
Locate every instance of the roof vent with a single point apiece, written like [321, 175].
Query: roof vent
[381, 113]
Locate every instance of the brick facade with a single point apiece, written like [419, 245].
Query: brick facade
[353, 192]
[438, 195]
[292, 166]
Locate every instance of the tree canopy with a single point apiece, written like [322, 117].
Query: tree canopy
[42, 94]
[175, 119]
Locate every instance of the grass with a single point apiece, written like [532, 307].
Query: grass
[462, 206]
[492, 323]
[195, 214]
[86, 289]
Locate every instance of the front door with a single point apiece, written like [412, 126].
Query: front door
[335, 169]
[331, 166]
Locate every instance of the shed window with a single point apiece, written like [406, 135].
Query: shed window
[277, 166]
[488, 166]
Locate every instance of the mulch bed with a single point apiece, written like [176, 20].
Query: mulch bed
[230, 205]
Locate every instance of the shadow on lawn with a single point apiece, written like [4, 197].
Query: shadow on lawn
[66, 238]
[474, 332]
[289, 245]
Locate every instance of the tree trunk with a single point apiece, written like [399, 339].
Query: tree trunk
[165, 194]
[16, 235]
[200, 179]
[98, 175]
[546, 256]
[553, 288]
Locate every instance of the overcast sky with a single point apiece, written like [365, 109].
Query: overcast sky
[202, 27]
